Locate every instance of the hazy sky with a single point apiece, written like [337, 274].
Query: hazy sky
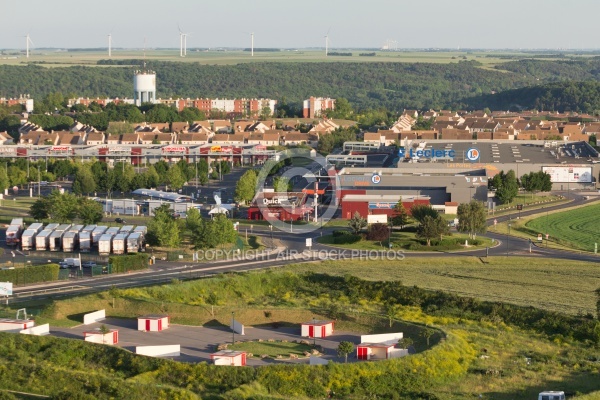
[296, 24]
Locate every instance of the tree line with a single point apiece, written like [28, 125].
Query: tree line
[393, 86]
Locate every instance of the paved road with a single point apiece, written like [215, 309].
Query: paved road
[291, 247]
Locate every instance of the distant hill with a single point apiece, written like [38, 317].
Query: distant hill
[525, 84]
[560, 96]
[394, 86]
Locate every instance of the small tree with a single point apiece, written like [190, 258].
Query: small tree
[378, 232]
[509, 188]
[345, 348]
[472, 218]
[40, 209]
[357, 223]
[282, 184]
[245, 189]
[401, 216]
[427, 334]
[420, 211]
[104, 330]
[90, 211]
[432, 228]
[391, 311]
[405, 342]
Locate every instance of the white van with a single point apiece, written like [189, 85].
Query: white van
[551, 395]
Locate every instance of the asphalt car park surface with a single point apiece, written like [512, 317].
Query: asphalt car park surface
[199, 342]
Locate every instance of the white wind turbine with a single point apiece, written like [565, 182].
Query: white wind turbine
[327, 42]
[182, 43]
[27, 42]
[109, 45]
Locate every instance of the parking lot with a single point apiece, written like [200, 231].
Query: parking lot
[198, 342]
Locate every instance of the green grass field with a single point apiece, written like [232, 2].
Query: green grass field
[52, 58]
[408, 241]
[272, 348]
[557, 285]
[527, 199]
[578, 228]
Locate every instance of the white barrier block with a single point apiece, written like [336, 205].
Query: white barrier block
[40, 330]
[96, 316]
[173, 350]
[237, 327]
[314, 360]
[384, 338]
[395, 353]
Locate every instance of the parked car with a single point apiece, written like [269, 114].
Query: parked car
[119, 220]
[89, 264]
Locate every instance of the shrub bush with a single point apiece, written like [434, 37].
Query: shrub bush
[130, 262]
[31, 274]
[338, 233]
[347, 239]
[378, 232]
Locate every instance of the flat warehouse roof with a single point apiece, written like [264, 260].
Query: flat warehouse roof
[515, 152]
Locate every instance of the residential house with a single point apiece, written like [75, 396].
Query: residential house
[163, 138]
[242, 125]
[404, 123]
[373, 137]
[5, 138]
[192, 138]
[95, 138]
[179, 127]
[266, 139]
[297, 138]
[324, 126]
[29, 127]
[68, 138]
[456, 134]
[228, 139]
[221, 126]
[129, 138]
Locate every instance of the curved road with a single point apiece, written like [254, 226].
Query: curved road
[287, 247]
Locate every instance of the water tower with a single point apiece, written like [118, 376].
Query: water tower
[144, 87]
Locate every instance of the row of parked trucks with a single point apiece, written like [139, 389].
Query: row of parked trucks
[69, 238]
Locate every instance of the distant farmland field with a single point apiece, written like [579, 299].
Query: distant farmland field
[550, 284]
[578, 228]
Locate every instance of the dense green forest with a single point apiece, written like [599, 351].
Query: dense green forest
[558, 96]
[394, 86]
[545, 70]
[565, 85]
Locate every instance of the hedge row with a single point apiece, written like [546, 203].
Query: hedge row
[30, 274]
[129, 262]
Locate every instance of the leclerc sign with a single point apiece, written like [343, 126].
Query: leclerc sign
[427, 153]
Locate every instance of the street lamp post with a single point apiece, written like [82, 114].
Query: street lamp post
[507, 239]
[546, 228]
[232, 328]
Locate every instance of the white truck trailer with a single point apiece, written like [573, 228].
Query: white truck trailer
[119, 243]
[134, 242]
[97, 234]
[104, 244]
[69, 241]
[28, 237]
[56, 237]
[14, 231]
